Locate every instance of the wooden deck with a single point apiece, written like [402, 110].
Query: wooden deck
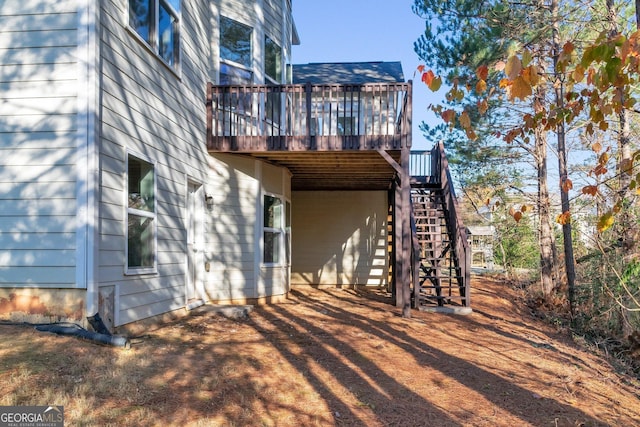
[309, 117]
[344, 137]
[329, 136]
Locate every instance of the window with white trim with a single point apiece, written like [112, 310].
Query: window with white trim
[141, 216]
[157, 22]
[287, 232]
[272, 60]
[277, 231]
[235, 52]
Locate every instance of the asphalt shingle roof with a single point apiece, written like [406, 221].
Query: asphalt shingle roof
[348, 72]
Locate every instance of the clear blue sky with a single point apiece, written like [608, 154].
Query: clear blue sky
[365, 30]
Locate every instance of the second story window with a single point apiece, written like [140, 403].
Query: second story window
[272, 60]
[157, 22]
[235, 52]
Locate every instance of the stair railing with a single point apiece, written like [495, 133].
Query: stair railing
[440, 168]
[415, 260]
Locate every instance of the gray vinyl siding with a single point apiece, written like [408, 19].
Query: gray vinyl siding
[38, 143]
[152, 111]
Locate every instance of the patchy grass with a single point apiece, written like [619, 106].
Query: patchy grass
[327, 357]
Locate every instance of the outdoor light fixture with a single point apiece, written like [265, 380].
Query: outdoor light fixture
[208, 200]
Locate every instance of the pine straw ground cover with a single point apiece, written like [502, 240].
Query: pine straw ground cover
[327, 357]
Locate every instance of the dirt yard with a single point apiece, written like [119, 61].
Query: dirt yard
[327, 357]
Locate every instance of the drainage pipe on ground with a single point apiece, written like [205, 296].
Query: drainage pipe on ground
[78, 331]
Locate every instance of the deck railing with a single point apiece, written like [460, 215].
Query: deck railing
[309, 117]
[424, 167]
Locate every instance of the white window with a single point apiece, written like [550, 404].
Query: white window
[235, 52]
[141, 216]
[287, 232]
[277, 231]
[157, 22]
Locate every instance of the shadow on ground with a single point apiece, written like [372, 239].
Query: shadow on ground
[327, 357]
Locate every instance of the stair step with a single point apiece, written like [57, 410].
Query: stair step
[445, 285]
[444, 264]
[421, 297]
[441, 276]
[432, 257]
[444, 293]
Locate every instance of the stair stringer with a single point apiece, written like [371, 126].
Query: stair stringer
[440, 274]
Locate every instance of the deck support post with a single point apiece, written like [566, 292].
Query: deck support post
[391, 241]
[405, 213]
[402, 237]
[397, 244]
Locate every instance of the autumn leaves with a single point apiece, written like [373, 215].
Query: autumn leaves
[597, 82]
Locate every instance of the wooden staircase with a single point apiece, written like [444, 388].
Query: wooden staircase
[441, 253]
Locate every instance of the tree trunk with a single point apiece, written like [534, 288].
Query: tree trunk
[628, 229]
[544, 206]
[569, 262]
[627, 220]
[504, 260]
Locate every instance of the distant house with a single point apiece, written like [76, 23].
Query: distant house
[157, 155]
[481, 238]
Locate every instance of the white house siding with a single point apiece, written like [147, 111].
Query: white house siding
[146, 108]
[152, 111]
[273, 18]
[339, 238]
[231, 229]
[277, 27]
[38, 175]
[266, 17]
[273, 280]
[287, 34]
[234, 235]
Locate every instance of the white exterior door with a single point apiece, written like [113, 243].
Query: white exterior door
[195, 246]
